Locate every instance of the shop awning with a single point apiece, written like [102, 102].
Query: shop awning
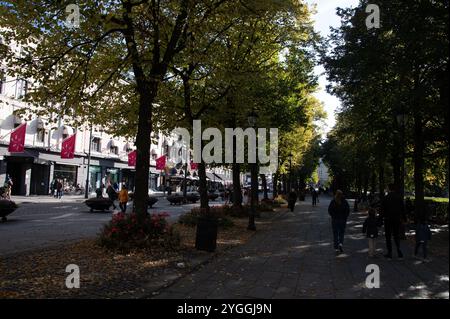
[223, 177]
[213, 177]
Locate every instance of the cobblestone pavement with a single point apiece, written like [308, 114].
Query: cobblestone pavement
[295, 259]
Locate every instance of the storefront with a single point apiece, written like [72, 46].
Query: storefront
[95, 178]
[112, 176]
[128, 178]
[18, 168]
[39, 183]
[67, 174]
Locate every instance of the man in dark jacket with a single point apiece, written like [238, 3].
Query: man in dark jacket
[112, 194]
[393, 213]
[292, 198]
[314, 196]
[339, 211]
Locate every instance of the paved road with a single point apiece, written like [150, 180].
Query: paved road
[45, 221]
[294, 259]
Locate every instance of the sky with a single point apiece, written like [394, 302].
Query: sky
[324, 19]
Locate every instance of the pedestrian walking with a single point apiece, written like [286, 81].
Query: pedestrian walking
[393, 212]
[55, 188]
[112, 194]
[370, 229]
[123, 198]
[8, 186]
[292, 198]
[423, 235]
[339, 211]
[226, 196]
[59, 189]
[314, 196]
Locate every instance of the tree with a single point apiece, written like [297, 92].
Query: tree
[381, 73]
[112, 64]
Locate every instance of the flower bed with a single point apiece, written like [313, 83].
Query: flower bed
[124, 232]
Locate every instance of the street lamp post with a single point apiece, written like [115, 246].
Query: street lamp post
[86, 190]
[185, 176]
[401, 122]
[252, 118]
[290, 173]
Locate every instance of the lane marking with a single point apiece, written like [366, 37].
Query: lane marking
[62, 216]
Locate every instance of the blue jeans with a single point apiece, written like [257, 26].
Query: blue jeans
[338, 226]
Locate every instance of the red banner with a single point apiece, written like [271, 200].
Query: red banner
[68, 147]
[194, 166]
[132, 158]
[161, 162]
[17, 140]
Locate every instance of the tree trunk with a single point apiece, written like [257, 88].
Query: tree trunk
[264, 184]
[237, 192]
[381, 178]
[275, 186]
[418, 165]
[203, 190]
[366, 184]
[396, 162]
[373, 184]
[143, 143]
[254, 185]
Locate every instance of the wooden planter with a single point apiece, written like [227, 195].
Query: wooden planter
[6, 207]
[213, 196]
[175, 199]
[99, 203]
[206, 234]
[192, 197]
[152, 201]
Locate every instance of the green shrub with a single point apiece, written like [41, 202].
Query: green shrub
[124, 233]
[265, 207]
[436, 210]
[239, 211]
[219, 212]
[279, 201]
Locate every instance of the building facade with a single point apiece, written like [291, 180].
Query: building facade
[34, 170]
[322, 172]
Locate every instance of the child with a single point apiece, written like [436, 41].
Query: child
[370, 228]
[423, 235]
[123, 199]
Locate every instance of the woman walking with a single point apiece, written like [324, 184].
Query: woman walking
[123, 199]
[339, 211]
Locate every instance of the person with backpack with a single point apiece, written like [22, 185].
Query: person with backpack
[339, 210]
[370, 229]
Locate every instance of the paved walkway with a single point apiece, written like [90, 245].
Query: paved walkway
[294, 259]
